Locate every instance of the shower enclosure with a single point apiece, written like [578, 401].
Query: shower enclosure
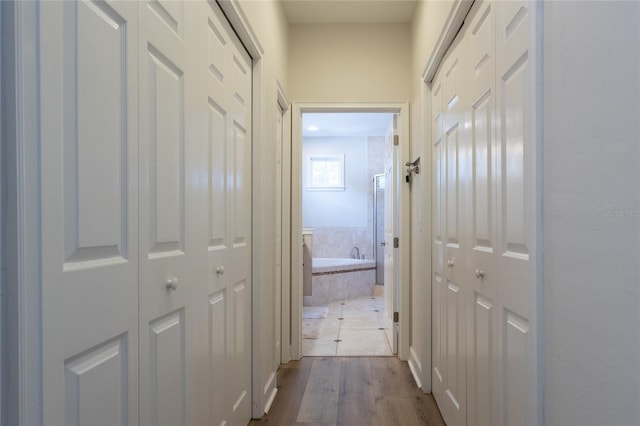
[378, 226]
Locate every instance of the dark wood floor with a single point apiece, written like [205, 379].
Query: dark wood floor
[371, 391]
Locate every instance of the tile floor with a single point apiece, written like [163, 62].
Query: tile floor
[352, 327]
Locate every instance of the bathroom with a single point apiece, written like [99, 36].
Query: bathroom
[343, 170]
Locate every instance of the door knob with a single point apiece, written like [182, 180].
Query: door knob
[220, 270]
[383, 244]
[479, 274]
[172, 284]
[449, 263]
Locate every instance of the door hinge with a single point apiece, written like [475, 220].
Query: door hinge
[396, 140]
[396, 242]
[396, 317]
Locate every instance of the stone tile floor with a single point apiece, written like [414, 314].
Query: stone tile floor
[352, 327]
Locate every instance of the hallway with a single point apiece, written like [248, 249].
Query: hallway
[373, 391]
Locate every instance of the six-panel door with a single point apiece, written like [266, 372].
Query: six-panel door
[484, 348]
[89, 212]
[146, 201]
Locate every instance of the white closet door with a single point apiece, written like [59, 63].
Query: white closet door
[169, 267]
[454, 291]
[438, 335]
[516, 220]
[89, 203]
[482, 312]
[226, 94]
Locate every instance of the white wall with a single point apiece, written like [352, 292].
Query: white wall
[428, 23]
[360, 62]
[269, 23]
[591, 213]
[346, 208]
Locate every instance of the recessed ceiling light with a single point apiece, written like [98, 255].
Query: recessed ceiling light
[313, 128]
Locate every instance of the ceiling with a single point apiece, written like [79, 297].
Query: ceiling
[343, 124]
[349, 11]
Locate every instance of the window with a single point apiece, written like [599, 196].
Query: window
[326, 173]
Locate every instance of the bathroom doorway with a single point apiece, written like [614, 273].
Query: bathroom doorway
[344, 311]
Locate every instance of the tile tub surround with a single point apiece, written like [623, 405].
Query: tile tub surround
[339, 279]
[339, 241]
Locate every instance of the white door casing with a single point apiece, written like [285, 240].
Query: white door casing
[279, 225]
[402, 265]
[89, 222]
[285, 228]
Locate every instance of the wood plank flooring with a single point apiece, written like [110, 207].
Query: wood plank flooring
[353, 391]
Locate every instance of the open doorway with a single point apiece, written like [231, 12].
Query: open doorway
[347, 158]
[397, 236]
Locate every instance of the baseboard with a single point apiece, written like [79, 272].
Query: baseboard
[416, 367]
[267, 406]
[307, 300]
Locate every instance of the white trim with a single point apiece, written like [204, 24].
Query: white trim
[267, 406]
[416, 368]
[285, 341]
[536, 34]
[454, 22]
[3, 105]
[240, 24]
[23, 161]
[402, 109]
[281, 97]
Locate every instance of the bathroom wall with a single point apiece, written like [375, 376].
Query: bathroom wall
[342, 220]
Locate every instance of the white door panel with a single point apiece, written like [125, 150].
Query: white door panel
[482, 338]
[454, 209]
[89, 202]
[438, 334]
[515, 212]
[225, 95]
[168, 254]
[390, 232]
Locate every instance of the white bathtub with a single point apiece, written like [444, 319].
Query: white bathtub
[340, 278]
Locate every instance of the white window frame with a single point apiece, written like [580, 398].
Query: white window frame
[312, 186]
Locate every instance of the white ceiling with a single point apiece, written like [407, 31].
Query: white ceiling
[342, 124]
[349, 11]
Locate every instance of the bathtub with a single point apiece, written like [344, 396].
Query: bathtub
[339, 264]
[340, 278]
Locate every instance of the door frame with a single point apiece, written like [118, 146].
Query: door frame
[404, 253]
[284, 296]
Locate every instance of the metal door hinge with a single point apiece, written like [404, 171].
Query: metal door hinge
[396, 317]
[396, 140]
[396, 242]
